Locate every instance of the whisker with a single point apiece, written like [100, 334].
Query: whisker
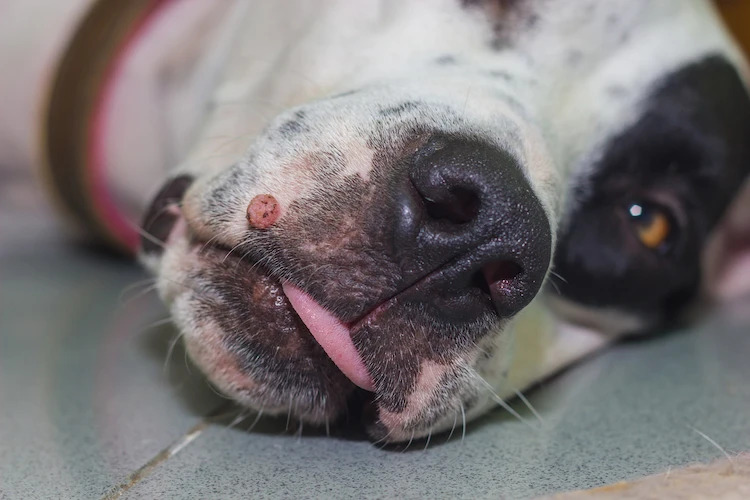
[213, 389]
[238, 419]
[558, 276]
[170, 350]
[135, 285]
[463, 419]
[383, 439]
[529, 406]
[243, 241]
[669, 471]
[182, 285]
[455, 421]
[500, 400]
[204, 159]
[466, 99]
[409, 443]
[218, 235]
[429, 436]
[145, 234]
[717, 445]
[231, 140]
[244, 255]
[157, 323]
[140, 295]
[190, 371]
[255, 422]
[174, 203]
[289, 414]
[554, 285]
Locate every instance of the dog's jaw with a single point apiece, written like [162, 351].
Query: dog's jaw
[289, 373]
[422, 367]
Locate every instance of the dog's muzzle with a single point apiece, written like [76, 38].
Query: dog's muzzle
[463, 239]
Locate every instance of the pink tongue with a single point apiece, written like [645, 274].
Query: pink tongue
[332, 335]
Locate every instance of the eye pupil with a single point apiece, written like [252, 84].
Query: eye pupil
[652, 225]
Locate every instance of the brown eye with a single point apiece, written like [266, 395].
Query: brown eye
[652, 225]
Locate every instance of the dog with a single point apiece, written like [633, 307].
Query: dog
[449, 200]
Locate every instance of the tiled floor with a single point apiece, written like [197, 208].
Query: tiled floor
[87, 408]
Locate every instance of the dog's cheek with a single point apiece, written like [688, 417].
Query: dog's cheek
[203, 344]
[240, 330]
[170, 270]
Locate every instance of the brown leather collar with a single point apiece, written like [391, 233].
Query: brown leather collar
[76, 87]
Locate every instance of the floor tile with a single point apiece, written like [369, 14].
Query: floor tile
[84, 399]
[634, 410]
[85, 404]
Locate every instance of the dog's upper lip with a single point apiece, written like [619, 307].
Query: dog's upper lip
[332, 335]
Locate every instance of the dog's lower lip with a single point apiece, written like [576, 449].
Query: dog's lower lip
[332, 335]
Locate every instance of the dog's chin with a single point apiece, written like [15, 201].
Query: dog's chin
[270, 346]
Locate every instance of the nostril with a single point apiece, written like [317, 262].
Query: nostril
[503, 282]
[458, 206]
[501, 273]
[497, 275]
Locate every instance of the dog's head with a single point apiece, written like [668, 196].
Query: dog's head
[385, 234]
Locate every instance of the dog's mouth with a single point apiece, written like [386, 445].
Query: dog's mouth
[330, 333]
[315, 352]
[166, 225]
[334, 335]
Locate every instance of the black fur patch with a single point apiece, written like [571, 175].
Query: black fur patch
[345, 94]
[500, 74]
[507, 17]
[400, 109]
[294, 126]
[691, 146]
[446, 60]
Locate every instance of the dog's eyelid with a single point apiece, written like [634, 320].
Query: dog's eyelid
[670, 203]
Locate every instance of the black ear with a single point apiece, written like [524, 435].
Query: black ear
[159, 219]
[691, 146]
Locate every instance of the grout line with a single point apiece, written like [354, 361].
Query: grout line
[146, 469]
[173, 449]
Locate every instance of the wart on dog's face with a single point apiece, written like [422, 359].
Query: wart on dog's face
[386, 237]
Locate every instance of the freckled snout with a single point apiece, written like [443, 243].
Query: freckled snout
[468, 210]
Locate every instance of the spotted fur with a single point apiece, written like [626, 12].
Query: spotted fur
[556, 87]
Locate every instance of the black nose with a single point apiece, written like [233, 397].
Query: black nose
[159, 218]
[468, 219]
